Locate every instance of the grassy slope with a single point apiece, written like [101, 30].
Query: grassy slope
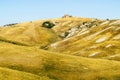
[56, 66]
[89, 44]
[65, 24]
[18, 52]
[9, 74]
[30, 34]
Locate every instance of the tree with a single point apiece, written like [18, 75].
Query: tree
[48, 24]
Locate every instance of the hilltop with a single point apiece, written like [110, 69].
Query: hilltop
[67, 48]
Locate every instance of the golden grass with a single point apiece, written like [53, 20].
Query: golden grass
[9, 74]
[96, 39]
[22, 59]
[54, 65]
[28, 34]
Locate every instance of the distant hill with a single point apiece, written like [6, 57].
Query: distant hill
[67, 48]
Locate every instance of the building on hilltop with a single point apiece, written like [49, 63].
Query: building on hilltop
[66, 16]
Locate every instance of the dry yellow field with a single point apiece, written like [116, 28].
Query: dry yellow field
[73, 49]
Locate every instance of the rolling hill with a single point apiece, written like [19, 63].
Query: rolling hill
[68, 48]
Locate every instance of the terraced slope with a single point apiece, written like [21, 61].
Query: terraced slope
[74, 49]
[91, 39]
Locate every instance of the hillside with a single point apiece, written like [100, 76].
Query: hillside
[95, 39]
[68, 48]
[28, 34]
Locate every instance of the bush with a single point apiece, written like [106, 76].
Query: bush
[11, 24]
[48, 24]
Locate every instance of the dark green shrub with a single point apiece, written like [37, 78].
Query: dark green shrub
[84, 23]
[11, 24]
[66, 34]
[48, 24]
[44, 47]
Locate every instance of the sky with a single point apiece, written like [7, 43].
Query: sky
[17, 11]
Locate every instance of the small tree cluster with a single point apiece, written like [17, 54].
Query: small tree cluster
[48, 24]
[11, 24]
